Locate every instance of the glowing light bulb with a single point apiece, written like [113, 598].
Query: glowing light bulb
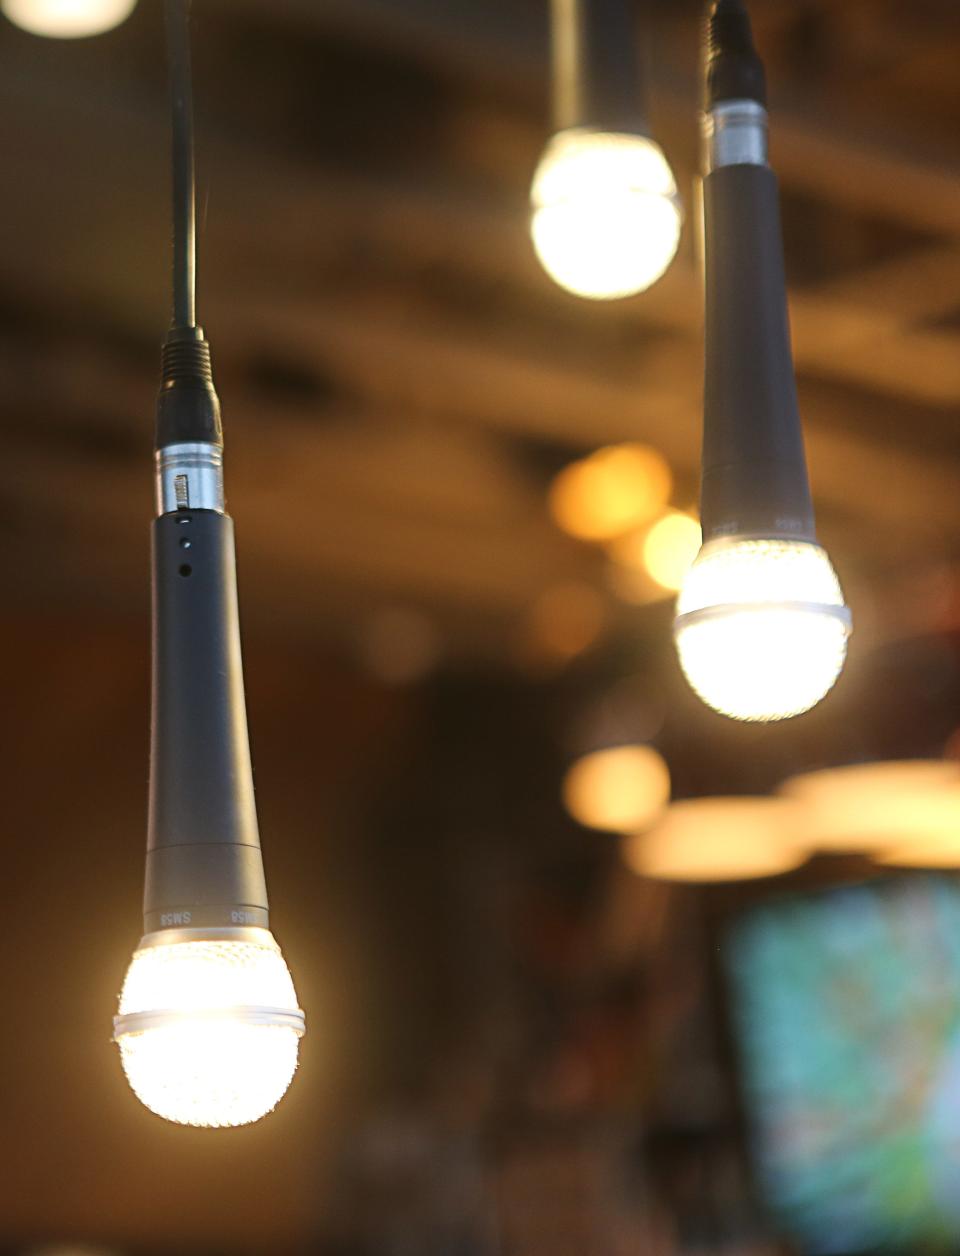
[612, 490]
[894, 806]
[665, 552]
[670, 548]
[718, 839]
[606, 214]
[761, 627]
[209, 1026]
[941, 853]
[620, 789]
[67, 19]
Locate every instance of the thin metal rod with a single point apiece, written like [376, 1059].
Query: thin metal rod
[177, 14]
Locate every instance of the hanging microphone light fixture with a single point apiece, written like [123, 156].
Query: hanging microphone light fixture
[761, 627]
[208, 1025]
[67, 19]
[606, 215]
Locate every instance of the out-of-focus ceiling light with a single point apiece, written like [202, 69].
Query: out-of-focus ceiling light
[925, 851]
[611, 491]
[876, 807]
[761, 626]
[670, 547]
[67, 19]
[717, 839]
[934, 842]
[605, 212]
[621, 789]
[665, 551]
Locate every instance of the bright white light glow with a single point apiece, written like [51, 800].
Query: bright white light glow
[718, 839]
[67, 19]
[621, 789]
[606, 215]
[761, 627]
[210, 1056]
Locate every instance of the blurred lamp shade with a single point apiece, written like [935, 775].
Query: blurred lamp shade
[610, 492]
[718, 839]
[924, 851]
[872, 807]
[622, 789]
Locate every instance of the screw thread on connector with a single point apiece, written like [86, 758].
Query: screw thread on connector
[733, 70]
[728, 29]
[185, 359]
[188, 409]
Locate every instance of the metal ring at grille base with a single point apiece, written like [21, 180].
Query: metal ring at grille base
[727, 609]
[164, 1018]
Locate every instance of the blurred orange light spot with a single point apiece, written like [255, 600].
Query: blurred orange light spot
[665, 551]
[924, 851]
[717, 839]
[611, 491]
[670, 547]
[874, 806]
[621, 789]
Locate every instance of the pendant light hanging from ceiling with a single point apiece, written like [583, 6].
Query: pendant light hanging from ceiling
[761, 625]
[67, 19]
[605, 213]
[208, 1024]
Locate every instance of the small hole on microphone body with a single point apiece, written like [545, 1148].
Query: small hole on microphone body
[186, 569]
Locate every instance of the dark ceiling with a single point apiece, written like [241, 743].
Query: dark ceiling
[399, 377]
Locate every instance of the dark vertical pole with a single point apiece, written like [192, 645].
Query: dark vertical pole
[597, 67]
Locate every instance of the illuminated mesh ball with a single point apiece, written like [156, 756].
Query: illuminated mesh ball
[761, 627]
[67, 19]
[209, 1030]
[606, 214]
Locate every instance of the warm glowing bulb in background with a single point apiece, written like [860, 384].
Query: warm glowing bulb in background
[923, 852]
[611, 491]
[622, 789]
[209, 1028]
[665, 551]
[761, 627]
[606, 215]
[670, 548]
[897, 807]
[717, 839]
[67, 19]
